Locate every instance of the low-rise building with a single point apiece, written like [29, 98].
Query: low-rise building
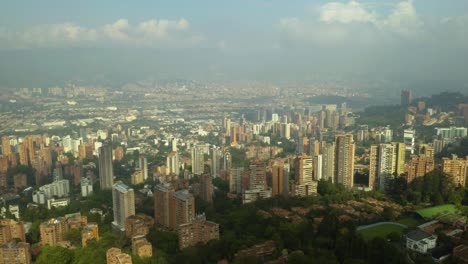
[197, 231]
[115, 256]
[420, 241]
[139, 224]
[10, 229]
[15, 253]
[89, 231]
[141, 247]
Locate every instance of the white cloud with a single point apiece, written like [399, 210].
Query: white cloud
[161, 28]
[117, 30]
[346, 13]
[403, 19]
[353, 22]
[150, 32]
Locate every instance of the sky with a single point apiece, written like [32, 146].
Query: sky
[52, 41]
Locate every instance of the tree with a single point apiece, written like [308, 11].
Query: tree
[74, 235]
[56, 255]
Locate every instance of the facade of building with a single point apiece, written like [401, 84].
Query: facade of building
[123, 199]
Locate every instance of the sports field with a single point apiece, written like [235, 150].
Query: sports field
[431, 212]
[381, 230]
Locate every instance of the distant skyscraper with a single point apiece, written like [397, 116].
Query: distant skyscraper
[406, 98]
[400, 150]
[318, 167]
[172, 163]
[328, 161]
[143, 165]
[215, 154]
[344, 160]
[408, 139]
[257, 178]
[106, 171]
[198, 160]
[123, 199]
[206, 185]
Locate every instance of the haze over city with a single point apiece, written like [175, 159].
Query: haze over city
[390, 45]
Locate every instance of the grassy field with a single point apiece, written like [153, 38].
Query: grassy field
[380, 231]
[410, 221]
[432, 212]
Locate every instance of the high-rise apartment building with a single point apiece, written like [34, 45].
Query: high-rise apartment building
[143, 166]
[23, 154]
[206, 186]
[106, 171]
[215, 154]
[328, 161]
[257, 178]
[408, 138]
[53, 231]
[456, 168]
[418, 166]
[172, 208]
[344, 160]
[198, 160]
[6, 147]
[277, 178]
[235, 180]
[304, 176]
[123, 199]
[164, 205]
[184, 204]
